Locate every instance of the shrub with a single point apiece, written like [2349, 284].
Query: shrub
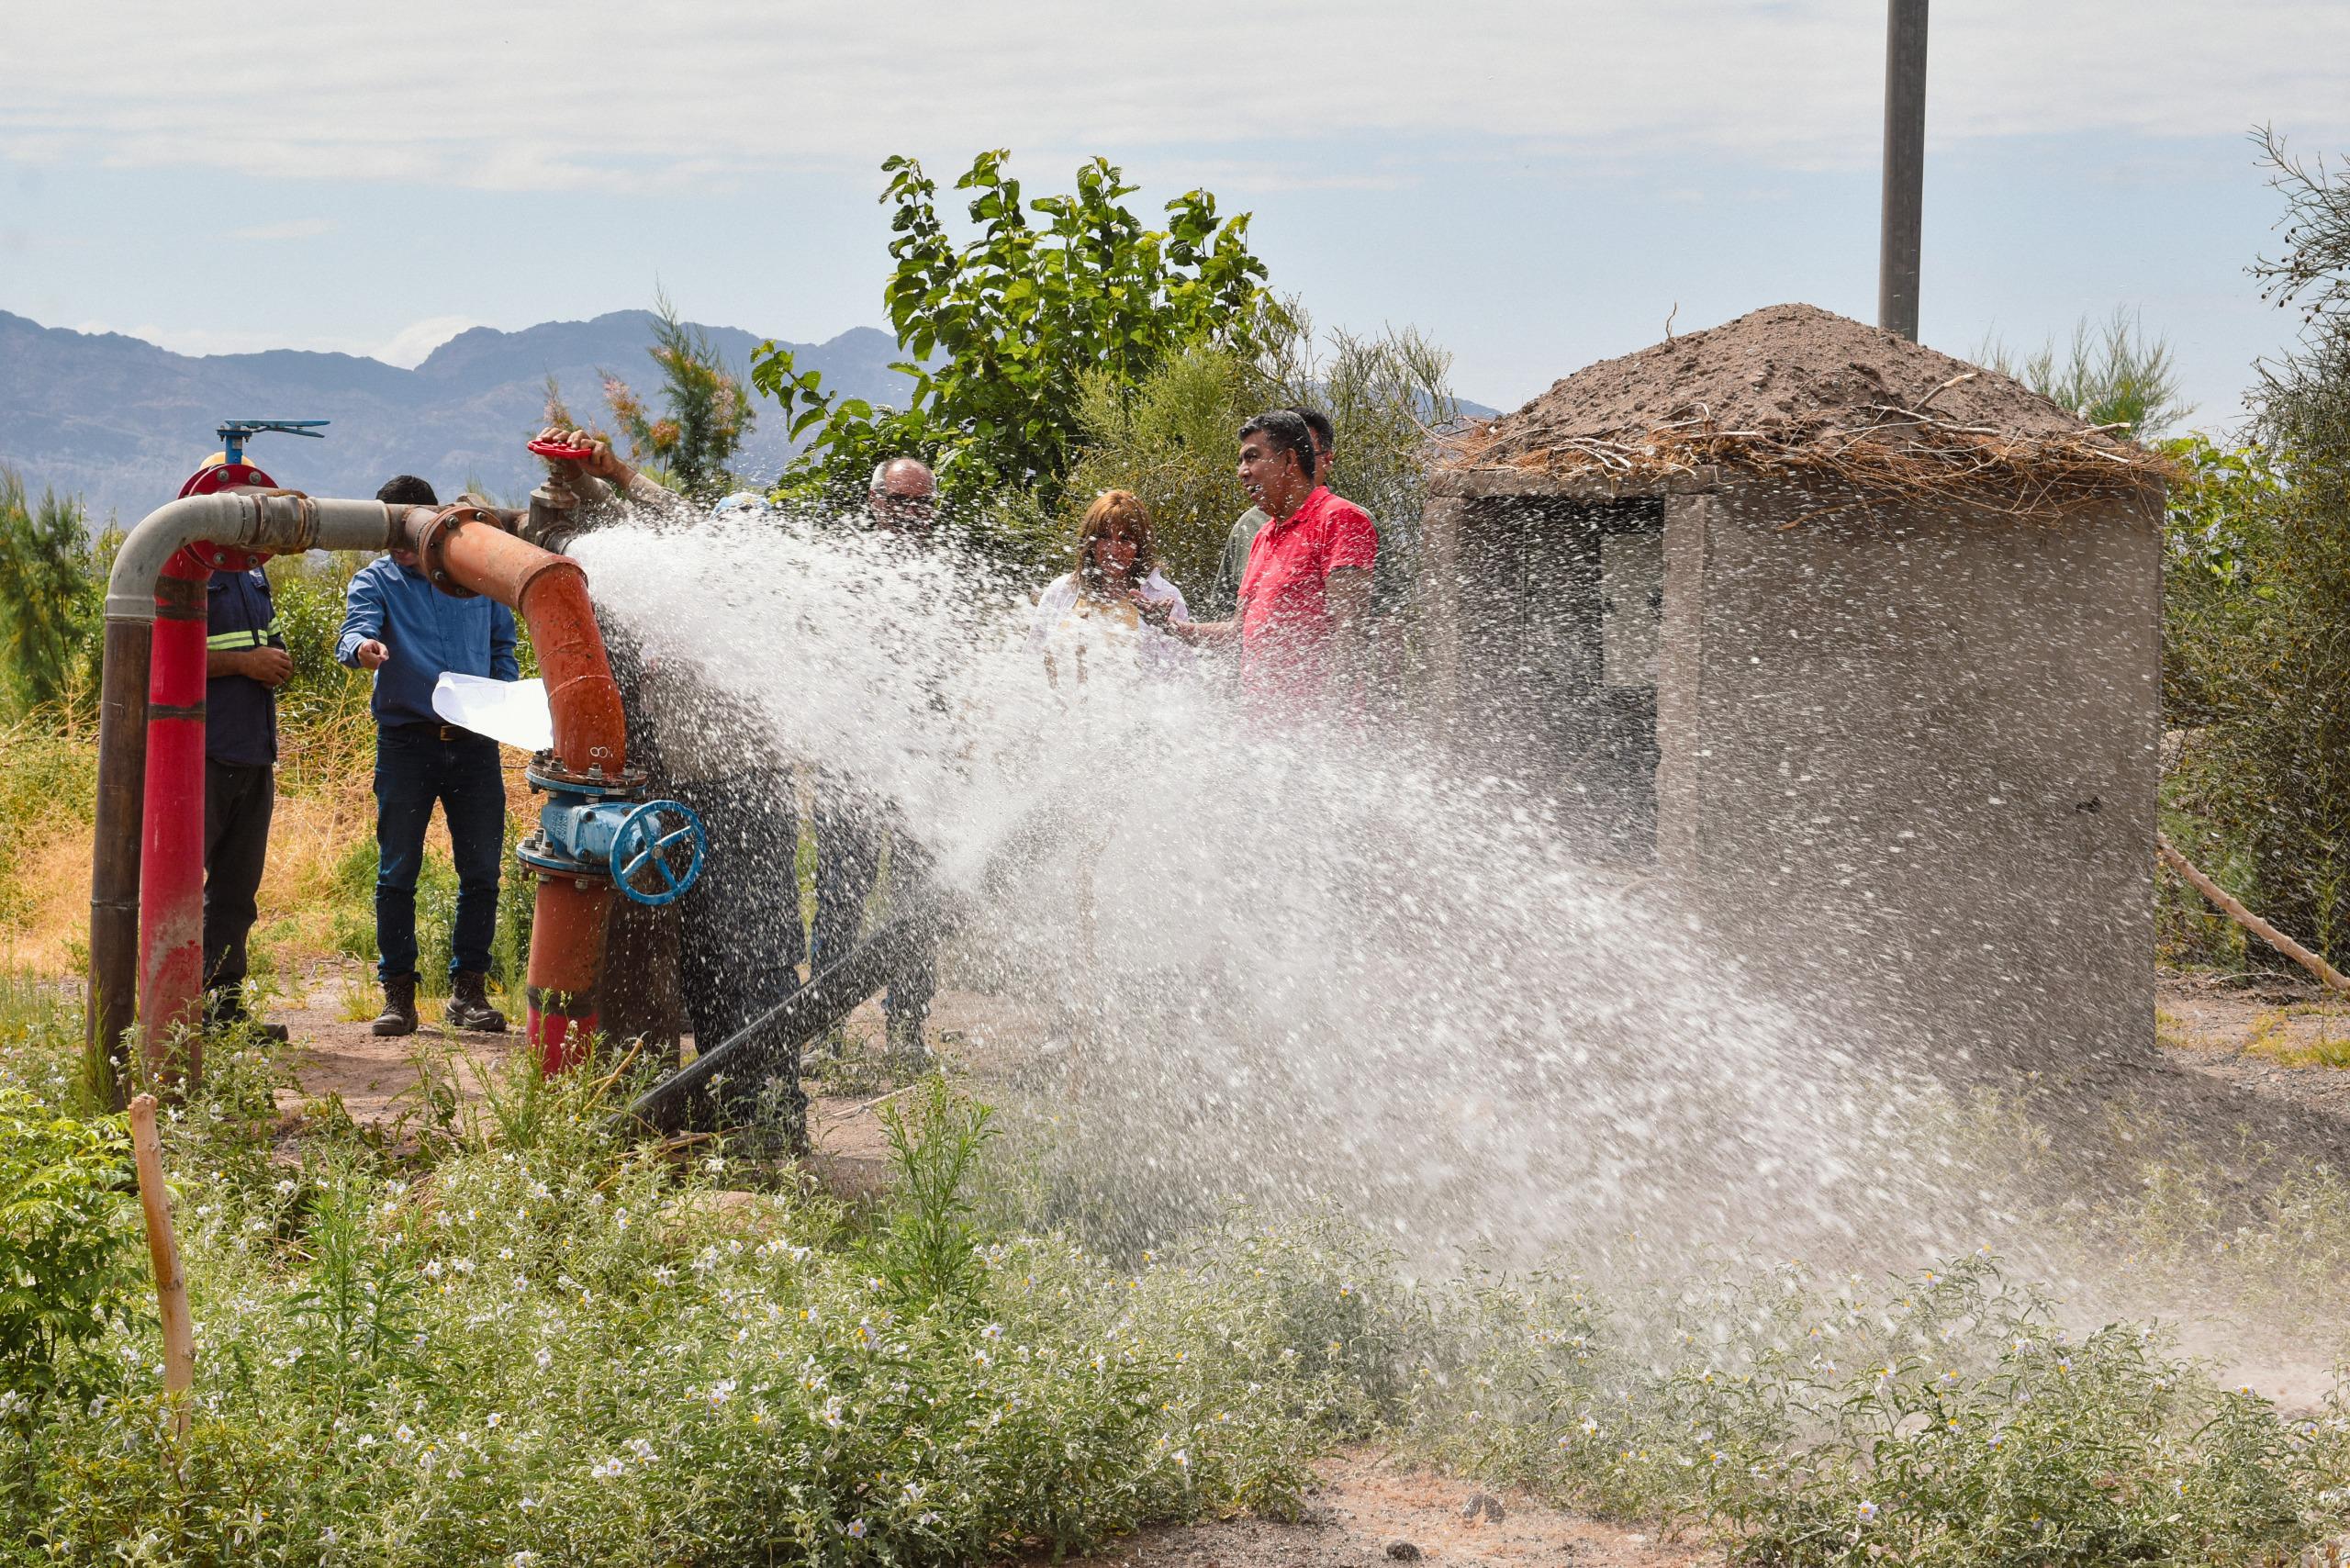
[571, 1350]
[64, 1244]
[45, 583]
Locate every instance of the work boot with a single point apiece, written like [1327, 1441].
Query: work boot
[469, 1008]
[399, 1016]
[225, 1009]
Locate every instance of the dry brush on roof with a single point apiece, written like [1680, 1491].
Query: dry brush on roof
[1794, 391]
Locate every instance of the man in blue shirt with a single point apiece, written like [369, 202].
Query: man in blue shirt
[398, 625]
[245, 662]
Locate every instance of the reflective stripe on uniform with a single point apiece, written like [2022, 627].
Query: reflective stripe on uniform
[227, 642]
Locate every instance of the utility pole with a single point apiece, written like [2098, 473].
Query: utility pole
[1905, 167]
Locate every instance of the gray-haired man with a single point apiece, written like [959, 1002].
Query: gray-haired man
[852, 825]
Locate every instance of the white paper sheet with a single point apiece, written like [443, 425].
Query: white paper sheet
[513, 711]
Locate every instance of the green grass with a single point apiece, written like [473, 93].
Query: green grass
[509, 1337]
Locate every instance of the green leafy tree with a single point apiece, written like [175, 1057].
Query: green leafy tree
[45, 577]
[1001, 332]
[2110, 374]
[1173, 439]
[2258, 599]
[705, 413]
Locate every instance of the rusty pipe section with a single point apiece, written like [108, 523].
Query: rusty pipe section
[468, 550]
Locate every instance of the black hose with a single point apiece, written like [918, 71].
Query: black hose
[771, 1043]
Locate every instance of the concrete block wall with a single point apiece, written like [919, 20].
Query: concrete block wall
[1908, 758]
[1907, 752]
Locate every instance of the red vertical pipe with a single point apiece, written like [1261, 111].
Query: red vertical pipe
[171, 861]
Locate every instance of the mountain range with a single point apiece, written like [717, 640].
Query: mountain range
[122, 422]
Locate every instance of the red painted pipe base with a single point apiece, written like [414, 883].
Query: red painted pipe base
[171, 859]
[560, 1025]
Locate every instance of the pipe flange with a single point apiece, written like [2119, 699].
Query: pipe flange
[543, 857]
[545, 772]
[432, 538]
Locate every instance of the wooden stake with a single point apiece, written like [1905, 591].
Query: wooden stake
[164, 1248]
[2327, 973]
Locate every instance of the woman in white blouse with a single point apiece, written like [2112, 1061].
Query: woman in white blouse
[1111, 612]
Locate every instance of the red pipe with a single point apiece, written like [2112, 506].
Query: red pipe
[171, 860]
[147, 853]
[466, 549]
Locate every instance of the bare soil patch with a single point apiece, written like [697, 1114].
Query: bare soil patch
[2281, 1039]
[984, 1038]
[1364, 1505]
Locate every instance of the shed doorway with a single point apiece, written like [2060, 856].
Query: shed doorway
[1562, 615]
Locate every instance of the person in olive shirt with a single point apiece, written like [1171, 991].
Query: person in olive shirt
[245, 662]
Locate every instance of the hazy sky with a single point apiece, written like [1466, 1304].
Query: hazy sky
[1538, 185]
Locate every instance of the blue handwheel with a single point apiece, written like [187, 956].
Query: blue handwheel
[657, 853]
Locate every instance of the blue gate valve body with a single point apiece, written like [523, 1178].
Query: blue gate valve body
[652, 850]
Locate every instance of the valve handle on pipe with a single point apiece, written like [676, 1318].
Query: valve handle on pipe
[646, 850]
[558, 451]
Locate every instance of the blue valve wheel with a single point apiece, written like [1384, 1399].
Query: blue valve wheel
[657, 852]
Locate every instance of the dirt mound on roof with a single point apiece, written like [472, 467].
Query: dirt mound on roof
[1793, 388]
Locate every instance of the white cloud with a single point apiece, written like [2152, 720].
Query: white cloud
[408, 347]
[621, 96]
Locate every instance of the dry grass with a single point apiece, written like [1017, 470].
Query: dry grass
[308, 836]
[52, 894]
[325, 813]
[2308, 1034]
[1887, 453]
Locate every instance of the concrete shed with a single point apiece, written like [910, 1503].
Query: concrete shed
[1855, 644]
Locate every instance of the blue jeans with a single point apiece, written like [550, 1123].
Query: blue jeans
[850, 828]
[415, 767]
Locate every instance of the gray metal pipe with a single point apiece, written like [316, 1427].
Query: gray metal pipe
[277, 522]
[1902, 234]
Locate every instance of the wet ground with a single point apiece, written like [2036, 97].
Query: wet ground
[2280, 1038]
[377, 1079]
[2273, 1038]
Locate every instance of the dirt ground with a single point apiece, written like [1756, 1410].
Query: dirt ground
[378, 1079]
[1367, 1513]
[2281, 1039]
[2275, 1038]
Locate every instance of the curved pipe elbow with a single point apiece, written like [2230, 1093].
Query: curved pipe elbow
[468, 548]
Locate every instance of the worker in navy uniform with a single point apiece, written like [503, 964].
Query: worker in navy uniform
[245, 662]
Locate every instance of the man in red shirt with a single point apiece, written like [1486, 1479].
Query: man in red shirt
[1306, 597]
